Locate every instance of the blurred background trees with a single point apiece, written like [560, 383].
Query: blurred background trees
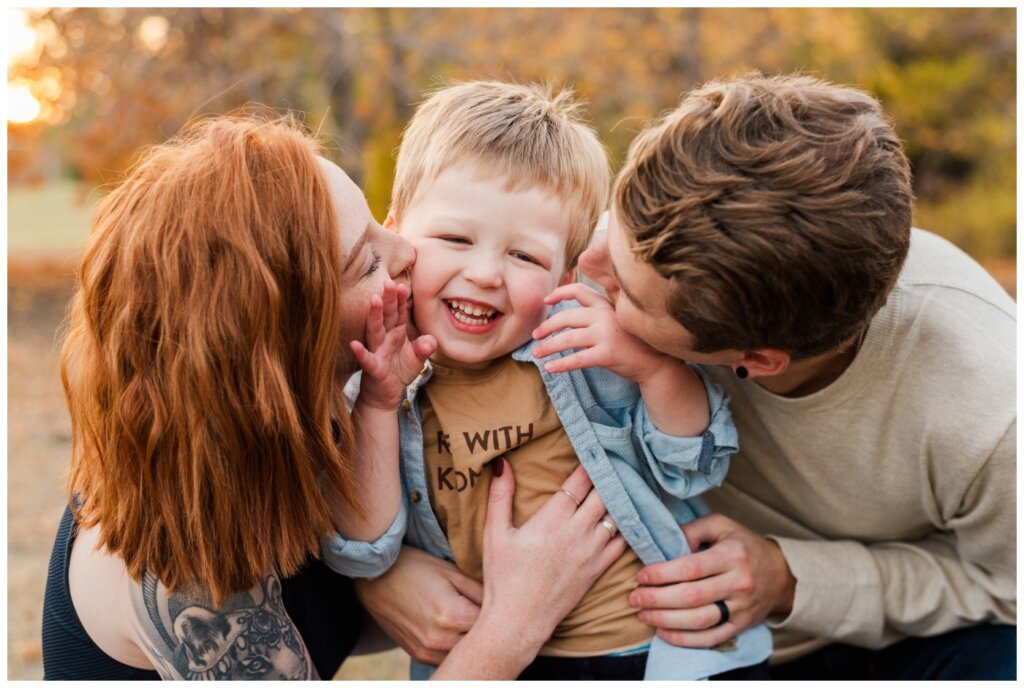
[88, 87]
[110, 80]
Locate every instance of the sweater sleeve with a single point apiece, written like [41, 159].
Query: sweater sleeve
[687, 466]
[867, 595]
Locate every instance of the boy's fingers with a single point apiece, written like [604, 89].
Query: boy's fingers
[570, 339]
[390, 304]
[574, 361]
[572, 318]
[562, 293]
[363, 357]
[374, 323]
[576, 291]
[424, 346]
[401, 303]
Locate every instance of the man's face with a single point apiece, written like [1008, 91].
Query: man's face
[639, 294]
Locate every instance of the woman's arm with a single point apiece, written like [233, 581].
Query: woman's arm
[533, 576]
[248, 636]
[442, 617]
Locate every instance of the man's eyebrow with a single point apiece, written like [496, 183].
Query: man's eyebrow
[622, 287]
[356, 251]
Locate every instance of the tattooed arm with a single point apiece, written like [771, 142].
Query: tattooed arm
[249, 636]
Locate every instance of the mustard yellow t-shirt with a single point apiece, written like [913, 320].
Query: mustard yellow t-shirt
[469, 418]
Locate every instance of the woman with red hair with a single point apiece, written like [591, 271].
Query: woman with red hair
[207, 348]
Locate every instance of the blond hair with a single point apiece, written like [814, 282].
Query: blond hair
[778, 207]
[531, 135]
[201, 359]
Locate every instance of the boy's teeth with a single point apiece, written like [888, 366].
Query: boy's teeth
[470, 313]
[471, 308]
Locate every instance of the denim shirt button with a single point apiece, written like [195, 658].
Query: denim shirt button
[406, 404]
[415, 496]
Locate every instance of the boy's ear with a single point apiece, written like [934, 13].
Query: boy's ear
[765, 362]
[390, 224]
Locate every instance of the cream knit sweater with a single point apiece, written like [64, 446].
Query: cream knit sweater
[892, 492]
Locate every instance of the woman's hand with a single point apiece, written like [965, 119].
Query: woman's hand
[389, 360]
[602, 341]
[423, 603]
[738, 567]
[533, 575]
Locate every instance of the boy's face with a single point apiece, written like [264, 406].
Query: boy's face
[485, 260]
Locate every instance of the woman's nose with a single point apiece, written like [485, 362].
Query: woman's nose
[401, 256]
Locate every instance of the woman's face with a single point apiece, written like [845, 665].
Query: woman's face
[369, 255]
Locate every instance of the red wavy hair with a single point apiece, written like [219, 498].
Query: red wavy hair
[201, 359]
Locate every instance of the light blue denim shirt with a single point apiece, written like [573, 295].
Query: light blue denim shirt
[646, 479]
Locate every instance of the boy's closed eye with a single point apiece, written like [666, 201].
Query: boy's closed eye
[525, 257]
[454, 239]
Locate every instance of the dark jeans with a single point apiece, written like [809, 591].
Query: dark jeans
[980, 653]
[626, 668]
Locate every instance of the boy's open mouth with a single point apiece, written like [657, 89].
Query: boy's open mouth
[471, 313]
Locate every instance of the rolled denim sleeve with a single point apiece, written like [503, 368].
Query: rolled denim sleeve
[688, 466]
[359, 559]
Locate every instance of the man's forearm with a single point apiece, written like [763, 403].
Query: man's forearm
[863, 595]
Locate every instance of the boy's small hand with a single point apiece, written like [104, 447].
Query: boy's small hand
[595, 330]
[389, 360]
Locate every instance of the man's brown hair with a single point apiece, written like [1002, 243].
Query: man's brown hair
[201, 356]
[778, 207]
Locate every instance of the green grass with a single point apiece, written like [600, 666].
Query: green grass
[49, 219]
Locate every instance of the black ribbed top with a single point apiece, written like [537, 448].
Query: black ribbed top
[320, 602]
[68, 651]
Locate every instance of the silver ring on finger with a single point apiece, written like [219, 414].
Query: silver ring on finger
[723, 610]
[609, 526]
[572, 497]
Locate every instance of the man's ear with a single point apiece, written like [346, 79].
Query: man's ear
[390, 224]
[764, 362]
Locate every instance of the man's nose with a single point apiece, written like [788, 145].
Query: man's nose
[594, 261]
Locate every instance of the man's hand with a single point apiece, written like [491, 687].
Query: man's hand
[423, 603]
[739, 567]
[602, 340]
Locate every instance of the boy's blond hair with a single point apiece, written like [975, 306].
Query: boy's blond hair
[529, 134]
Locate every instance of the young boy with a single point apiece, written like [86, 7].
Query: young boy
[499, 187]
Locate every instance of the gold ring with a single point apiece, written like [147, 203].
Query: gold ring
[572, 497]
[606, 522]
